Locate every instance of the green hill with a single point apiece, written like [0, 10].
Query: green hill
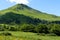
[24, 18]
[28, 11]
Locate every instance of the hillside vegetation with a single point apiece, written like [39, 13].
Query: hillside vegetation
[20, 22]
[23, 18]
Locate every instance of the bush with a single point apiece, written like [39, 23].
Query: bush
[6, 34]
[27, 28]
[43, 34]
[51, 34]
[42, 28]
[56, 29]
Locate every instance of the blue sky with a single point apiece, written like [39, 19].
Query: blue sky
[47, 6]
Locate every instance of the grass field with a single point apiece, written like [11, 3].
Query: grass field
[27, 36]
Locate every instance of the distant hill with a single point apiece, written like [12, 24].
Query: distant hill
[30, 12]
[24, 18]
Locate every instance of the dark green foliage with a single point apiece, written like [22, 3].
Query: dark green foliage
[6, 34]
[56, 29]
[41, 28]
[27, 28]
[13, 29]
[11, 17]
[56, 22]
[1, 28]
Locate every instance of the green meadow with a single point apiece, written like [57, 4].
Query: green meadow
[27, 36]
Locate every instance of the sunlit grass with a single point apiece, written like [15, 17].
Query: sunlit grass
[27, 36]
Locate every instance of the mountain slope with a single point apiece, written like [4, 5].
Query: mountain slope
[14, 18]
[27, 11]
[23, 18]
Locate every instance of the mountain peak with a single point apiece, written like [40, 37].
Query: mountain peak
[20, 7]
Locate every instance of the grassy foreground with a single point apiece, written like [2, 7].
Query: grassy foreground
[27, 36]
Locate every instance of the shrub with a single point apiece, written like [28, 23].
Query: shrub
[56, 29]
[42, 28]
[6, 34]
[27, 28]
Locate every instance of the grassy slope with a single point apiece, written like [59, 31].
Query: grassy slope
[30, 12]
[28, 36]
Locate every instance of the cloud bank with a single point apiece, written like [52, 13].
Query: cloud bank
[19, 1]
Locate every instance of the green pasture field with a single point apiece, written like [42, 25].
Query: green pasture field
[27, 36]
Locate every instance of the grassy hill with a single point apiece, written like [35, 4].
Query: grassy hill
[28, 11]
[21, 22]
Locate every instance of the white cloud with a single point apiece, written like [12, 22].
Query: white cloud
[19, 1]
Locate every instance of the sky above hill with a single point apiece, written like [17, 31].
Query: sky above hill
[47, 6]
